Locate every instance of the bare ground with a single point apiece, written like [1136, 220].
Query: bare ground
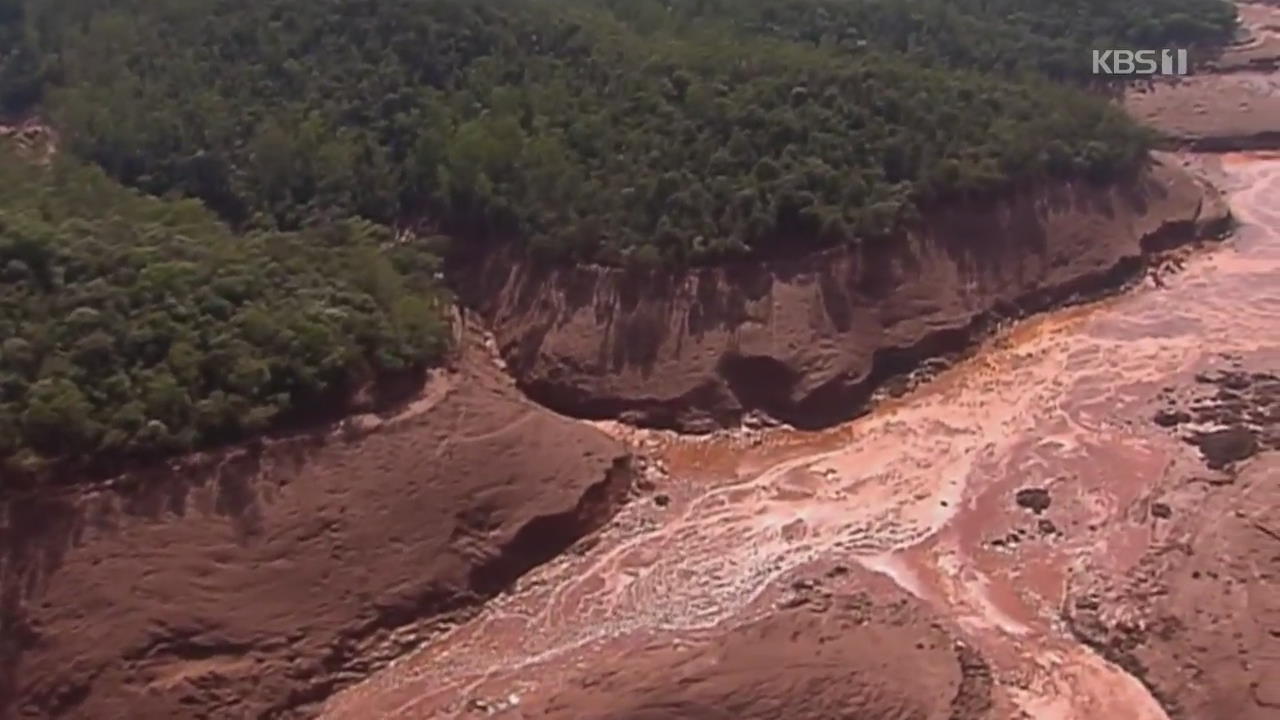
[256, 582]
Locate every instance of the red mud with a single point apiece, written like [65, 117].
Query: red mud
[256, 584]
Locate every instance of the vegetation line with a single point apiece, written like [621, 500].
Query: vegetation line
[275, 142]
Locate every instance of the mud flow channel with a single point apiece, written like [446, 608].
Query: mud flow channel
[924, 490]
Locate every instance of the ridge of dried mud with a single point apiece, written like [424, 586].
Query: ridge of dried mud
[256, 583]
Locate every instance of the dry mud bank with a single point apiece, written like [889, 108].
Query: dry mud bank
[806, 340]
[256, 582]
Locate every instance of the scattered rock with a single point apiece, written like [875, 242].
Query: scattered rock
[1244, 407]
[757, 420]
[897, 386]
[1170, 418]
[1236, 381]
[1037, 500]
[1047, 527]
[1220, 448]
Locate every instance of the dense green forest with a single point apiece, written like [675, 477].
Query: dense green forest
[1010, 37]
[636, 131]
[272, 145]
[132, 326]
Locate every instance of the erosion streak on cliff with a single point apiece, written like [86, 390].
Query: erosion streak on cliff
[807, 339]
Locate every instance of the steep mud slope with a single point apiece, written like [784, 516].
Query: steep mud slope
[805, 339]
[257, 582]
[1233, 106]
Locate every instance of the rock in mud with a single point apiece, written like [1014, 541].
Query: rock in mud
[1221, 448]
[1037, 500]
[1170, 418]
[1245, 408]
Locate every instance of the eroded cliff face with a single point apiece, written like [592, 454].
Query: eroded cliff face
[256, 582]
[806, 340]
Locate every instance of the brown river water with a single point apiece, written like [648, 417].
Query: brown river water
[916, 490]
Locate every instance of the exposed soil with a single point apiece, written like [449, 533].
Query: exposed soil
[254, 583]
[808, 340]
[32, 138]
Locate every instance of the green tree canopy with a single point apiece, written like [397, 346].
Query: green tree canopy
[134, 326]
[593, 127]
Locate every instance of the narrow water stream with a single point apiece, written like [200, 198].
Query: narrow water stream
[921, 490]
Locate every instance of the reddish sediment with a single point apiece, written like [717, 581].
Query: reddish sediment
[808, 339]
[256, 582]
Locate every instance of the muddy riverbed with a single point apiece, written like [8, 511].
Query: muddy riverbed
[986, 497]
